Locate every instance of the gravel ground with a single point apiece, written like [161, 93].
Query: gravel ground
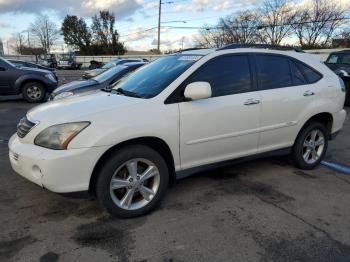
[263, 210]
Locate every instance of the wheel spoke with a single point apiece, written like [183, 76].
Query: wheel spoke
[307, 154]
[314, 155]
[320, 141]
[127, 199]
[119, 183]
[306, 144]
[132, 168]
[146, 192]
[314, 135]
[149, 172]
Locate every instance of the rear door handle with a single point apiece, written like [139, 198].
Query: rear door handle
[308, 93]
[251, 101]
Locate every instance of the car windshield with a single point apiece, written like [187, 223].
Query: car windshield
[65, 57]
[8, 62]
[16, 64]
[339, 59]
[153, 78]
[109, 65]
[109, 73]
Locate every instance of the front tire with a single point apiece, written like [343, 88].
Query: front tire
[310, 146]
[33, 92]
[132, 181]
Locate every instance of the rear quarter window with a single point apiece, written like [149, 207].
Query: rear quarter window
[310, 74]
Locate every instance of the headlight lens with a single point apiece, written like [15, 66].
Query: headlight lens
[59, 136]
[51, 77]
[63, 95]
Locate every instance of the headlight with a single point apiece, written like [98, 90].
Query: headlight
[63, 95]
[59, 136]
[51, 77]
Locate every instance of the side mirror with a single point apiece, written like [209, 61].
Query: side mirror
[342, 73]
[2, 68]
[197, 90]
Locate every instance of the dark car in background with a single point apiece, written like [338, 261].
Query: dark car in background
[48, 60]
[68, 61]
[339, 62]
[21, 63]
[33, 83]
[94, 72]
[105, 80]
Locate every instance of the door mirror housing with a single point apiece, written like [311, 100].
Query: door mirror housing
[197, 90]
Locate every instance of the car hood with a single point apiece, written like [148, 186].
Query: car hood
[75, 85]
[94, 72]
[80, 107]
[35, 70]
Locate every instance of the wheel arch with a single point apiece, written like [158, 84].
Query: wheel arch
[155, 143]
[325, 118]
[28, 80]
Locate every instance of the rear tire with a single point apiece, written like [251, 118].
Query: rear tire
[310, 146]
[122, 186]
[33, 92]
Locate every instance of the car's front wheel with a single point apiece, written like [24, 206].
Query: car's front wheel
[33, 92]
[310, 146]
[132, 181]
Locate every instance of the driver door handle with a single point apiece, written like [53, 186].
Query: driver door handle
[251, 101]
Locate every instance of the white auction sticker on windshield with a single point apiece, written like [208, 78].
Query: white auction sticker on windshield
[189, 58]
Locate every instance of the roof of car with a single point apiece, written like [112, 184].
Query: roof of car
[135, 63]
[345, 51]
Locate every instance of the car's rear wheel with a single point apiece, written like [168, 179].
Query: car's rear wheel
[310, 146]
[33, 92]
[132, 181]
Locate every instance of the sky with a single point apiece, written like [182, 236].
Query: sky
[134, 18]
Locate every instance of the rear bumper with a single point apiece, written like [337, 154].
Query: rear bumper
[60, 171]
[338, 121]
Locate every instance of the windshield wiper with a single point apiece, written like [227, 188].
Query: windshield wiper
[106, 89]
[126, 93]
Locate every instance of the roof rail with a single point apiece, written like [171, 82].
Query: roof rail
[190, 49]
[264, 46]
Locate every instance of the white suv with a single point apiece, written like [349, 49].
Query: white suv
[182, 113]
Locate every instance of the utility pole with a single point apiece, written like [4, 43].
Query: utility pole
[28, 38]
[159, 15]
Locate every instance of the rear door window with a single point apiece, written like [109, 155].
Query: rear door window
[273, 71]
[297, 75]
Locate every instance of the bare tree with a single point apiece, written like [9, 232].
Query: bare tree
[45, 31]
[276, 19]
[240, 28]
[18, 41]
[210, 37]
[317, 22]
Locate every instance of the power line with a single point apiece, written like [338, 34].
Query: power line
[221, 27]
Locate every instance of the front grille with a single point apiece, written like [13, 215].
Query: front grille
[24, 126]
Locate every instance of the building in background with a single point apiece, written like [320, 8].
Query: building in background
[1, 48]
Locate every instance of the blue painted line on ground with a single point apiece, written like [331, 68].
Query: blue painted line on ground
[337, 167]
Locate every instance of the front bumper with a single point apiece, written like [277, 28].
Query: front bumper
[51, 86]
[60, 171]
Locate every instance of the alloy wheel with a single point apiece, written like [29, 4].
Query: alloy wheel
[313, 146]
[34, 92]
[134, 184]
